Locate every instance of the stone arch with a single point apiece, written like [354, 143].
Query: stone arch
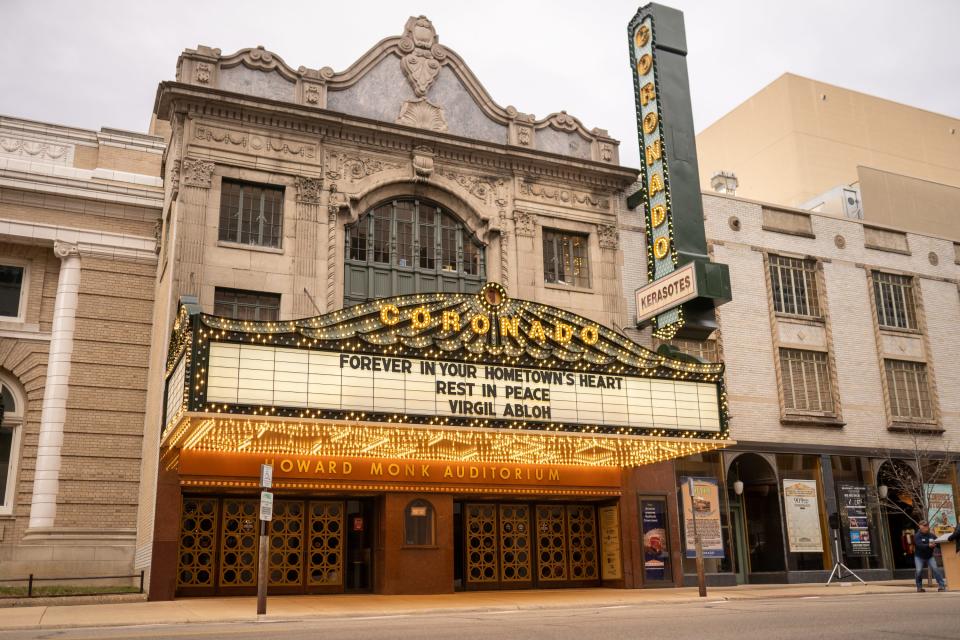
[474, 218]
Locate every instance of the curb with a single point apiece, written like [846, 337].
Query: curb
[190, 619]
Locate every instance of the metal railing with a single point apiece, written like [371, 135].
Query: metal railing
[32, 579]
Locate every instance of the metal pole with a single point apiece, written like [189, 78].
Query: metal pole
[697, 542]
[141, 580]
[262, 578]
[30, 587]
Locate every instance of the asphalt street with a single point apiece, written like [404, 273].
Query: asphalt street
[931, 615]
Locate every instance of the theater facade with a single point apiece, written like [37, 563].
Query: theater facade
[423, 443]
[409, 300]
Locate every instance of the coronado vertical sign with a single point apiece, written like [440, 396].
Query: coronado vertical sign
[661, 252]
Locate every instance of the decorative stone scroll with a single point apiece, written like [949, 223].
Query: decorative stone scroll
[340, 165]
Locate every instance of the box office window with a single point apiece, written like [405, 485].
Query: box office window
[896, 304]
[908, 389]
[247, 305]
[806, 381]
[418, 524]
[251, 214]
[565, 258]
[11, 290]
[794, 285]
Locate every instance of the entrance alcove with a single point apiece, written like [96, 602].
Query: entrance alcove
[755, 519]
[898, 509]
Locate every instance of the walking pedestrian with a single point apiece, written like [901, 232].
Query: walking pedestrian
[924, 543]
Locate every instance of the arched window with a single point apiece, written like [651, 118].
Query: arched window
[410, 246]
[11, 425]
[418, 524]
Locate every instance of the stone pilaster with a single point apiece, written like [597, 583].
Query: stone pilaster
[43, 506]
[305, 244]
[196, 178]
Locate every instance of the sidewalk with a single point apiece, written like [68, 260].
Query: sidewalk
[200, 610]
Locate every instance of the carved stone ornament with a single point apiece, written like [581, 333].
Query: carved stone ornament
[63, 249]
[422, 162]
[203, 72]
[422, 114]
[175, 180]
[340, 165]
[34, 148]
[525, 223]
[311, 93]
[524, 135]
[608, 235]
[257, 143]
[308, 189]
[606, 152]
[423, 54]
[563, 196]
[197, 173]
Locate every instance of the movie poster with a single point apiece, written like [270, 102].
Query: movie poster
[706, 504]
[656, 545]
[941, 511]
[854, 521]
[803, 516]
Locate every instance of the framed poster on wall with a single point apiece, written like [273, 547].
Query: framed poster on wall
[802, 511]
[706, 504]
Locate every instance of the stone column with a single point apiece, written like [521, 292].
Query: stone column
[43, 507]
[196, 177]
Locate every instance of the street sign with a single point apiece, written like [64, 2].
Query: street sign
[266, 506]
[266, 476]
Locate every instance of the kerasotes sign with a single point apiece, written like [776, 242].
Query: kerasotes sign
[245, 373]
[667, 292]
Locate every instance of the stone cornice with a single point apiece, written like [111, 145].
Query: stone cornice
[330, 126]
[86, 242]
[79, 188]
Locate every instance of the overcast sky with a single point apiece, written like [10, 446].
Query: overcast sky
[92, 64]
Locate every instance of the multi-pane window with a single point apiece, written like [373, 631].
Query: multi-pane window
[908, 390]
[246, 305]
[251, 214]
[11, 288]
[896, 305]
[806, 381]
[410, 246]
[565, 258]
[702, 350]
[794, 284]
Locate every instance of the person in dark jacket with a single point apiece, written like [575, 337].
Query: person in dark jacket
[924, 542]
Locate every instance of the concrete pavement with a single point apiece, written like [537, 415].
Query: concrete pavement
[239, 609]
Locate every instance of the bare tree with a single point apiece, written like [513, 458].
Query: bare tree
[910, 474]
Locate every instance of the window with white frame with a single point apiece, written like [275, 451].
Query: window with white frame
[794, 285]
[11, 425]
[805, 377]
[909, 390]
[896, 303]
[12, 280]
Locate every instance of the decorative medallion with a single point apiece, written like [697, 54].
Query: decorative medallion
[424, 55]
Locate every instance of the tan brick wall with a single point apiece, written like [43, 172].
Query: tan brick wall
[748, 343]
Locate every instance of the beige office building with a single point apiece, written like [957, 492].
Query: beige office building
[815, 146]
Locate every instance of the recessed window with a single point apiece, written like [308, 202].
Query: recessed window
[565, 258]
[11, 290]
[251, 214]
[806, 381]
[794, 284]
[908, 390]
[246, 305]
[418, 524]
[11, 421]
[410, 246]
[896, 305]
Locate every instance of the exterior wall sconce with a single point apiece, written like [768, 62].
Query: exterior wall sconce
[882, 491]
[738, 487]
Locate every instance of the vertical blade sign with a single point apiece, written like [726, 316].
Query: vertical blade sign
[661, 250]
